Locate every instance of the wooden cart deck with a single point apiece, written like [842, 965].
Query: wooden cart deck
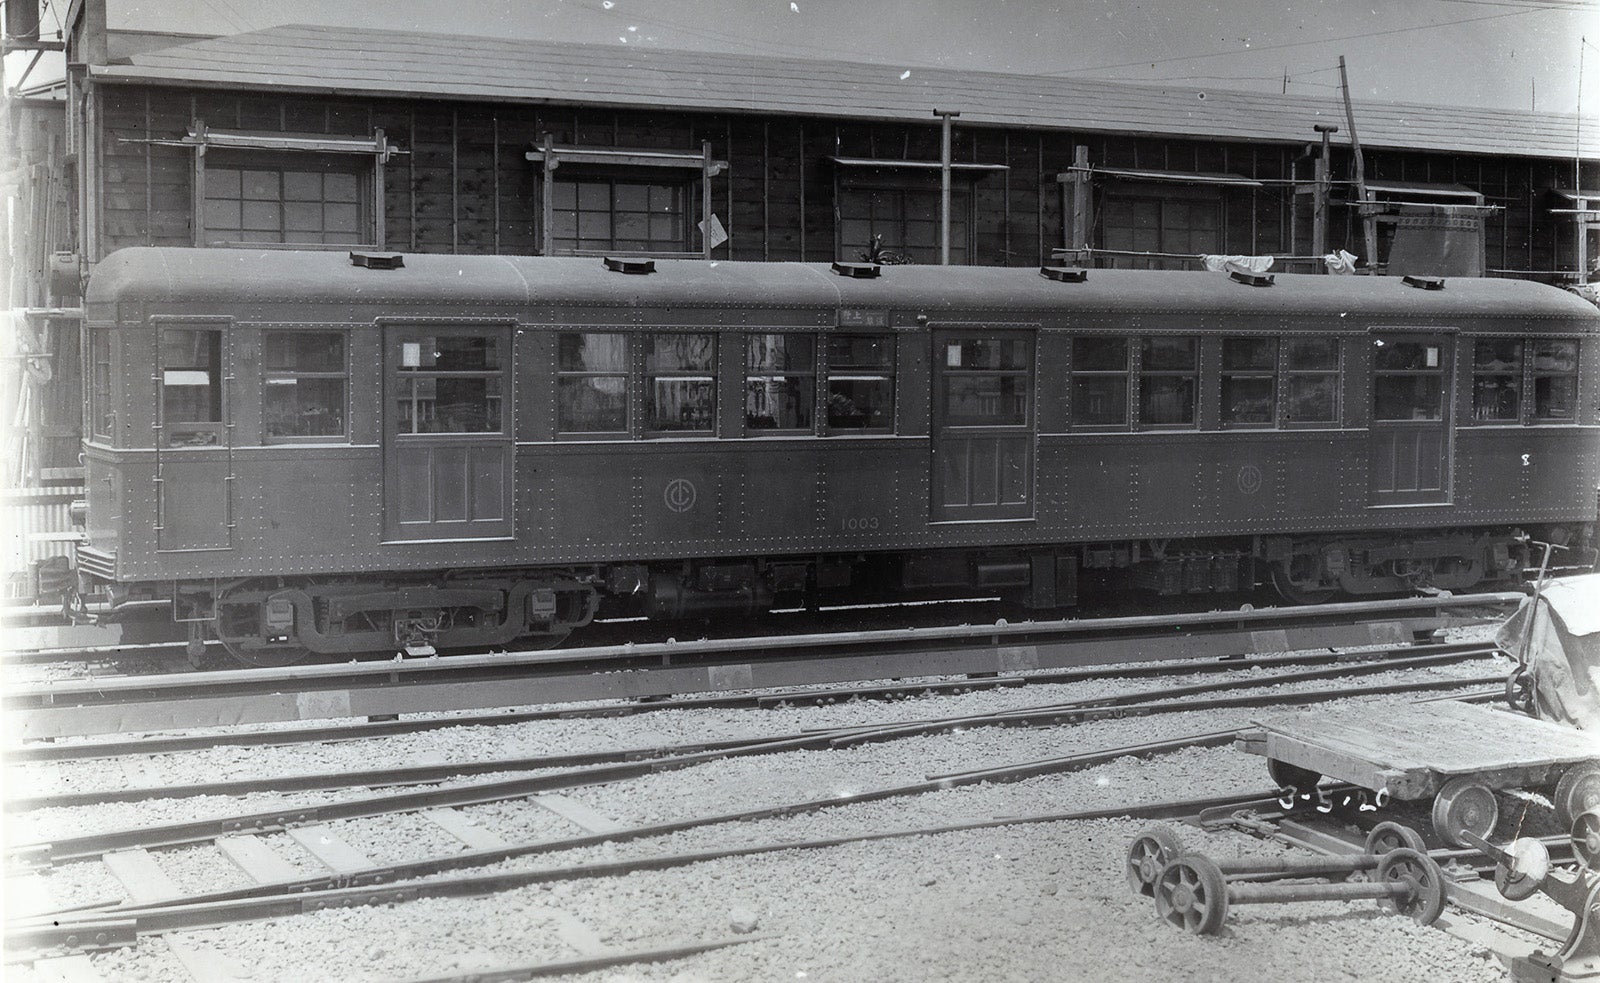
[1413, 751]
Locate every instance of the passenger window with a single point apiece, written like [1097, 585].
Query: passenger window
[861, 382]
[986, 382]
[304, 379]
[1311, 380]
[1408, 381]
[680, 383]
[191, 387]
[780, 381]
[592, 383]
[1497, 379]
[1555, 380]
[1249, 381]
[1167, 382]
[450, 384]
[1099, 382]
[101, 414]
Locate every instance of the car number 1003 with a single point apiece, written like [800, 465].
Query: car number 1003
[859, 523]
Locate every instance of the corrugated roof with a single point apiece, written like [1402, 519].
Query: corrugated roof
[361, 61]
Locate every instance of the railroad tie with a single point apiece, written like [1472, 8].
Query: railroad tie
[578, 814]
[143, 878]
[334, 853]
[204, 963]
[257, 860]
[28, 894]
[463, 829]
[67, 969]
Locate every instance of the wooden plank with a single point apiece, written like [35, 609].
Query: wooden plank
[458, 825]
[67, 969]
[256, 859]
[204, 963]
[334, 853]
[28, 894]
[577, 934]
[143, 878]
[578, 814]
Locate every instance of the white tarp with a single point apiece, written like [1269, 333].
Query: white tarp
[1563, 649]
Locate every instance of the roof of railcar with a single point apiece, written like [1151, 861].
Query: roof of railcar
[507, 283]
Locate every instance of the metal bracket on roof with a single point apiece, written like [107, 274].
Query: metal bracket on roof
[1424, 282]
[1064, 274]
[1239, 274]
[378, 261]
[638, 267]
[858, 271]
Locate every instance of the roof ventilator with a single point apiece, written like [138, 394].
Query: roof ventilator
[1248, 277]
[378, 261]
[1424, 282]
[858, 271]
[1064, 274]
[637, 267]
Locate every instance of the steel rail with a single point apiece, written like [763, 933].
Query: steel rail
[468, 682]
[367, 729]
[586, 964]
[91, 846]
[77, 929]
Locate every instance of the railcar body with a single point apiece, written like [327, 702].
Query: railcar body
[304, 450]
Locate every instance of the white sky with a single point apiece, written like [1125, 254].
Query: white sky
[1516, 54]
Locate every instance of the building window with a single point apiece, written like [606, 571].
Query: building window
[680, 383]
[450, 384]
[602, 214]
[300, 201]
[861, 382]
[1311, 378]
[1555, 380]
[1408, 381]
[1249, 382]
[592, 383]
[780, 382]
[902, 222]
[1167, 372]
[102, 414]
[191, 387]
[1497, 380]
[1100, 382]
[1182, 222]
[304, 379]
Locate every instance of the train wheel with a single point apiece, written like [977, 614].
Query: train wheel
[1464, 803]
[1289, 591]
[253, 653]
[1192, 894]
[1577, 792]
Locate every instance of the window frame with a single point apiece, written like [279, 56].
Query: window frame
[814, 374]
[648, 378]
[218, 426]
[630, 352]
[403, 375]
[1126, 374]
[102, 406]
[1288, 373]
[890, 374]
[1442, 372]
[1520, 374]
[343, 375]
[279, 149]
[963, 215]
[1270, 373]
[1531, 382]
[682, 188]
[1141, 374]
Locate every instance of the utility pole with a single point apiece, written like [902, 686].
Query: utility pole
[944, 185]
[1319, 210]
[1369, 221]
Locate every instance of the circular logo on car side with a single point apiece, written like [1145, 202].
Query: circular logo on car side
[680, 495]
[1249, 479]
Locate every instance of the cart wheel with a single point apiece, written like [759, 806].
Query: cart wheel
[1464, 803]
[1150, 851]
[1586, 837]
[1417, 870]
[1522, 877]
[1192, 894]
[1577, 793]
[1286, 775]
[1388, 837]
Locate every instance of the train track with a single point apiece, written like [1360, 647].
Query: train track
[380, 689]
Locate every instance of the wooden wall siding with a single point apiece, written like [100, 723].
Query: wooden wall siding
[465, 185]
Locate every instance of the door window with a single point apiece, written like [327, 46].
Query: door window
[191, 387]
[450, 384]
[1408, 381]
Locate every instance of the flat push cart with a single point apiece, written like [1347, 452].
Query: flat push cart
[1457, 754]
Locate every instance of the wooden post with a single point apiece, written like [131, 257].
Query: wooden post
[1369, 221]
[1082, 200]
[547, 210]
[705, 199]
[1319, 210]
[944, 185]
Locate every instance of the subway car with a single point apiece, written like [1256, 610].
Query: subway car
[313, 452]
